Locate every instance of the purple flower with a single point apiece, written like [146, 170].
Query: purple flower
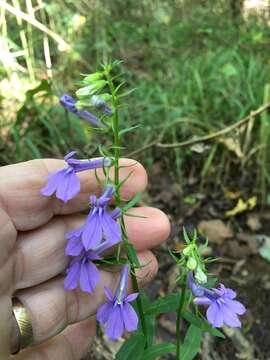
[70, 104]
[83, 271]
[117, 314]
[100, 224]
[65, 182]
[223, 309]
[197, 290]
[74, 246]
[100, 104]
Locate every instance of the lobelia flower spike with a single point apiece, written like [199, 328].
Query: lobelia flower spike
[65, 183]
[69, 103]
[117, 314]
[100, 224]
[82, 270]
[223, 308]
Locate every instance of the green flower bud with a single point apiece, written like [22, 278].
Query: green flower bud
[105, 96]
[191, 263]
[92, 78]
[187, 250]
[91, 89]
[200, 276]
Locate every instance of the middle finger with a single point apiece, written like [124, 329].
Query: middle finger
[40, 256]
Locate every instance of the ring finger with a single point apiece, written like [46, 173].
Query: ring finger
[51, 308]
[71, 344]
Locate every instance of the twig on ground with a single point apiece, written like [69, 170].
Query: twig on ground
[217, 133]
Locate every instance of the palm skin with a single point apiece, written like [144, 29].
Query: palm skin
[32, 260]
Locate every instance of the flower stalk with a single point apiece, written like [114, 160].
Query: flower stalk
[116, 146]
[178, 317]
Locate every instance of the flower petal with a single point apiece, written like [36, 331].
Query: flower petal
[89, 277]
[130, 317]
[236, 306]
[68, 102]
[111, 228]
[73, 233]
[131, 297]
[69, 155]
[106, 196]
[89, 117]
[203, 300]
[74, 246]
[104, 312]
[102, 247]
[68, 187]
[92, 232]
[108, 293]
[72, 277]
[115, 213]
[214, 315]
[230, 317]
[115, 325]
[230, 293]
[53, 181]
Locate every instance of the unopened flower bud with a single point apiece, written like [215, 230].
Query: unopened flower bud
[97, 101]
[187, 250]
[191, 263]
[91, 89]
[200, 276]
[90, 79]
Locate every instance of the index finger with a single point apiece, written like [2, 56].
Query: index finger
[20, 187]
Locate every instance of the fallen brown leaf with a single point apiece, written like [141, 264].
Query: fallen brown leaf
[215, 230]
[253, 222]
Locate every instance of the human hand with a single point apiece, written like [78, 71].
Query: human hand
[32, 258]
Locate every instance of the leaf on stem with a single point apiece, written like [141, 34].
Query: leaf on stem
[164, 304]
[129, 129]
[132, 202]
[132, 254]
[192, 342]
[133, 348]
[158, 350]
[124, 180]
[202, 324]
[150, 320]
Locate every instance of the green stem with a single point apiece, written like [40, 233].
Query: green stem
[178, 319]
[117, 144]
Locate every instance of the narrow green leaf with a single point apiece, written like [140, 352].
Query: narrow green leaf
[124, 180]
[132, 254]
[165, 304]
[132, 202]
[192, 342]
[158, 350]
[186, 236]
[149, 319]
[126, 93]
[201, 324]
[33, 148]
[135, 216]
[119, 87]
[129, 129]
[104, 152]
[132, 349]
[16, 137]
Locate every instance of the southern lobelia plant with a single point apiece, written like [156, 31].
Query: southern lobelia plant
[104, 229]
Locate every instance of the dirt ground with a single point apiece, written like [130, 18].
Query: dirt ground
[236, 240]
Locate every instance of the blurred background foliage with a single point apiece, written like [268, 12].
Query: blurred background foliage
[197, 66]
